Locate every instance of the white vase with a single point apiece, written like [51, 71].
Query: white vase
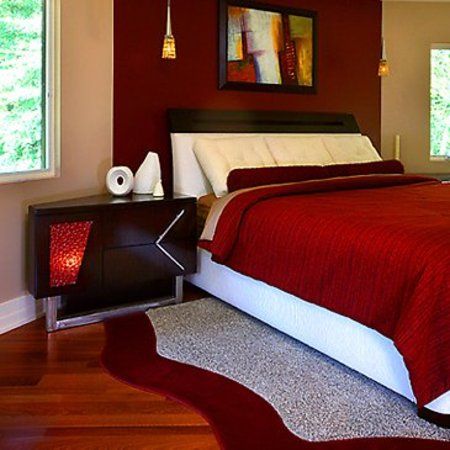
[147, 175]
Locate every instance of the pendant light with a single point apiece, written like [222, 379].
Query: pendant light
[169, 50]
[383, 68]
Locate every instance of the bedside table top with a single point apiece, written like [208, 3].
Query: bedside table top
[97, 202]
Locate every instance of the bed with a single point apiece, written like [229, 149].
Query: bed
[349, 342]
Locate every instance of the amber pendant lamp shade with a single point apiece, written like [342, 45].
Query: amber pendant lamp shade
[169, 49]
[383, 68]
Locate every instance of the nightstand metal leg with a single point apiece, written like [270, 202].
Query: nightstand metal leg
[51, 313]
[179, 289]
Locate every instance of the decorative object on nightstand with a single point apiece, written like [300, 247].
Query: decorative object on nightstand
[96, 257]
[159, 190]
[147, 175]
[120, 181]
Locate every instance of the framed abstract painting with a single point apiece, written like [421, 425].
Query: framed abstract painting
[267, 48]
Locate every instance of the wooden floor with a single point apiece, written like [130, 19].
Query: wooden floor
[54, 394]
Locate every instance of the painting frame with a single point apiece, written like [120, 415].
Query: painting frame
[226, 84]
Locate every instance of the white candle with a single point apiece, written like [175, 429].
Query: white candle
[397, 149]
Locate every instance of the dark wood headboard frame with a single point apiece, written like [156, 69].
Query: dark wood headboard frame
[227, 121]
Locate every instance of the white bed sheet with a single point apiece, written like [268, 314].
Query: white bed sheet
[339, 337]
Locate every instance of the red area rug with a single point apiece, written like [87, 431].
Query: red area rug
[241, 420]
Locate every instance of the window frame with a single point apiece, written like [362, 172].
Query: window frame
[436, 46]
[52, 93]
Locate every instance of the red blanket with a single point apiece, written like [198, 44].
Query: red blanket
[374, 248]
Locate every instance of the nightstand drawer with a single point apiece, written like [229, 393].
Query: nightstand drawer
[143, 226]
[135, 266]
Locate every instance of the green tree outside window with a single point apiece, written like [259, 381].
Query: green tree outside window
[22, 84]
[440, 102]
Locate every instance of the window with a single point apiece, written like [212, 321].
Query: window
[440, 101]
[29, 98]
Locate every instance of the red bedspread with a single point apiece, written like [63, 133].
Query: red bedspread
[374, 248]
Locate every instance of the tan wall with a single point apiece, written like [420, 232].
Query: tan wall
[410, 28]
[86, 132]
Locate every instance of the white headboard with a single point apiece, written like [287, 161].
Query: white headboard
[188, 125]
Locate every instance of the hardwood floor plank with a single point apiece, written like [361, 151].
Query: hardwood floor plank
[54, 394]
[125, 438]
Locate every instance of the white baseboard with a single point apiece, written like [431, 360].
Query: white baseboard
[18, 312]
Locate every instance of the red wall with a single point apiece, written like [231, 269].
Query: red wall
[145, 85]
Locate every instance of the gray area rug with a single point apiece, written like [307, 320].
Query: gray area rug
[318, 399]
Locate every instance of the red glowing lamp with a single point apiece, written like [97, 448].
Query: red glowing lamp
[68, 243]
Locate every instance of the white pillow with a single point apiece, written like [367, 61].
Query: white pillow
[218, 157]
[299, 151]
[351, 149]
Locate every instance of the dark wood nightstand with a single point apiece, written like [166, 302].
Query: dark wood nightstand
[96, 257]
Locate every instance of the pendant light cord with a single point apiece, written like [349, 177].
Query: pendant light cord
[169, 20]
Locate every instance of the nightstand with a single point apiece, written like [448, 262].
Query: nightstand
[96, 257]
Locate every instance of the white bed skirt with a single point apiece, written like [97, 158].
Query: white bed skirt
[355, 345]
